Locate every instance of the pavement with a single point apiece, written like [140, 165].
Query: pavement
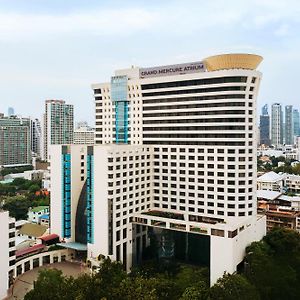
[24, 283]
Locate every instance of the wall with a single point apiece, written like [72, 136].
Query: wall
[4, 252]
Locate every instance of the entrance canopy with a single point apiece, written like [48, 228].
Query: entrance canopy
[74, 246]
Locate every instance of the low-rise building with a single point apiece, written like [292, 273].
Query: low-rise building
[292, 183]
[32, 231]
[35, 213]
[271, 181]
[28, 175]
[44, 220]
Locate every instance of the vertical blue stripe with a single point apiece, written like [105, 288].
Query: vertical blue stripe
[66, 195]
[90, 198]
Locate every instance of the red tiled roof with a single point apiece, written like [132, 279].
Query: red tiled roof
[29, 250]
[49, 237]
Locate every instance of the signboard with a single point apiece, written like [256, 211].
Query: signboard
[179, 69]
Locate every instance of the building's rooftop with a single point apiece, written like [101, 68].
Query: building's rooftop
[49, 237]
[33, 230]
[289, 198]
[232, 61]
[271, 177]
[39, 208]
[29, 250]
[21, 222]
[45, 217]
[268, 195]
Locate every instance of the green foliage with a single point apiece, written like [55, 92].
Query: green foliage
[19, 195]
[17, 206]
[274, 265]
[233, 287]
[6, 171]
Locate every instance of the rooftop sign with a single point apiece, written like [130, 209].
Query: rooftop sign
[179, 69]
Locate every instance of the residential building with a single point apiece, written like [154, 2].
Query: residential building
[271, 181]
[36, 212]
[292, 183]
[276, 125]
[175, 158]
[84, 134]
[14, 141]
[36, 137]
[289, 125]
[58, 127]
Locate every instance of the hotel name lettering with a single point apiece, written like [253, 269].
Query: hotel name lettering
[172, 70]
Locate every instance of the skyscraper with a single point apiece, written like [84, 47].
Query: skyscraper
[58, 124]
[276, 125]
[264, 110]
[36, 137]
[10, 111]
[289, 125]
[296, 118]
[15, 141]
[175, 158]
[264, 126]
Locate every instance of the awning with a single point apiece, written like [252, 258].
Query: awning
[74, 246]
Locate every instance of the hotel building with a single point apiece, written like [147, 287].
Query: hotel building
[174, 160]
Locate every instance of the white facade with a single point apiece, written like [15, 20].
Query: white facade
[58, 124]
[199, 128]
[7, 250]
[292, 183]
[84, 135]
[276, 125]
[271, 181]
[35, 213]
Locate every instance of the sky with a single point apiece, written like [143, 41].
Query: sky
[54, 49]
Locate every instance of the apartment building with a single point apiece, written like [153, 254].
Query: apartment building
[58, 124]
[15, 141]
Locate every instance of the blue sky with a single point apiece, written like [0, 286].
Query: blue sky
[54, 49]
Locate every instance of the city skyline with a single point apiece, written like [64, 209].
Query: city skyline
[55, 50]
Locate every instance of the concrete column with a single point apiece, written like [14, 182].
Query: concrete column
[31, 264]
[40, 261]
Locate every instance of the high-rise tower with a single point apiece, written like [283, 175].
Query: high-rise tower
[175, 157]
[58, 124]
[289, 125]
[276, 125]
[264, 126]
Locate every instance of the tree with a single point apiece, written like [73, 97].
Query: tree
[196, 292]
[274, 265]
[51, 284]
[17, 206]
[233, 287]
[34, 188]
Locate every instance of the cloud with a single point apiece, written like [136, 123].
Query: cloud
[106, 22]
[168, 18]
